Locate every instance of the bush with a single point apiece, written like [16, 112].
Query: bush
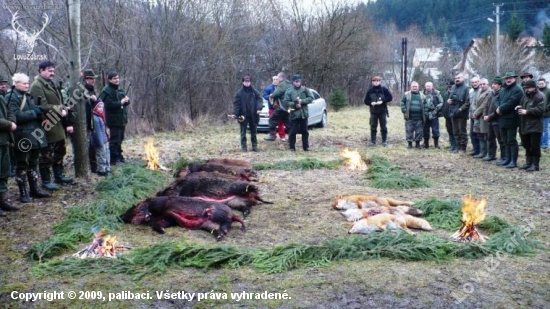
[337, 99]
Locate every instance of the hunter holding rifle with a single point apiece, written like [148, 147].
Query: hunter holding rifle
[296, 100]
[116, 103]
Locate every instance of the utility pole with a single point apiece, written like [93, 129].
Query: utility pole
[497, 13]
[404, 63]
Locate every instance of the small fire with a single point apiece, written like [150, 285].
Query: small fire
[353, 160]
[152, 156]
[102, 246]
[473, 212]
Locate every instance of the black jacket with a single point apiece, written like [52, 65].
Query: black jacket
[247, 103]
[378, 93]
[116, 114]
[28, 122]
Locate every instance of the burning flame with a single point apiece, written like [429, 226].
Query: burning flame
[353, 160]
[102, 246]
[152, 155]
[473, 212]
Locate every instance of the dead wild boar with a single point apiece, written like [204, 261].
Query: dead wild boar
[211, 186]
[230, 162]
[165, 211]
[243, 173]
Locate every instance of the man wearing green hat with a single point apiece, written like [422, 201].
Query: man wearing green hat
[296, 100]
[508, 118]
[3, 85]
[531, 112]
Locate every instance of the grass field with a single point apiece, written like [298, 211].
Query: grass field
[301, 215]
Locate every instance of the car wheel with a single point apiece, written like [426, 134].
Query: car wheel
[324, 121]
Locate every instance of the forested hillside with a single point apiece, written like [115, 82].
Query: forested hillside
[185, 58]
[461, 19]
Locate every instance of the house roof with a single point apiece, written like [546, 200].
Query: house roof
[423, 55]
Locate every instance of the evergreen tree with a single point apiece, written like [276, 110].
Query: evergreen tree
[546, 39]
[337, 99]
[515, 27]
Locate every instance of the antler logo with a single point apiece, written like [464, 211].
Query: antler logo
[29, 37]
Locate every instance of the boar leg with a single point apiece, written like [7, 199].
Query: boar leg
[212, 228]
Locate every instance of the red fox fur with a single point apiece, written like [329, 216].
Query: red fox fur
[365, 201]
[379, 222]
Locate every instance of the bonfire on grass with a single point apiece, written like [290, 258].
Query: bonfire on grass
[473, 212]
[152, 157]
[102, 246]
[353, 160]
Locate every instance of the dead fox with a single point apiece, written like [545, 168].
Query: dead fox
[380, 222]
[357, 214]
[417, 223]
[365, 201]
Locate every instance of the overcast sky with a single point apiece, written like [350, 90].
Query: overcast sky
[315, 3]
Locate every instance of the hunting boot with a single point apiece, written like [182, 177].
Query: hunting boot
[461, 148]
[528, 163]
[417, 145]
[491, 152]
[504, 156]
[410, 145]
[436, 143]
[426, 143]
[47, 179]
[384, 138]
[452, 140]
[5, 203]
[482, 149]
[305, 142]
[372, 138]
[271, 137]
[58, 174]
[12, 169]
[514, 150]
[32, 175]
[535, 165]
[121, 158]
[21, 180]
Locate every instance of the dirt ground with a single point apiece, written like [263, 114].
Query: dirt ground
[301, 214]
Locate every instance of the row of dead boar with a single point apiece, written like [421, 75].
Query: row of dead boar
[204, 195]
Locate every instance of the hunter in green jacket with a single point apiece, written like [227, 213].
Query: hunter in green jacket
[296, 100]
[54, 119]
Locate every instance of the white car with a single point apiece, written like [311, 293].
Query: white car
[317, 113]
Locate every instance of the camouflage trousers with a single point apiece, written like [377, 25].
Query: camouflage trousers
[414, 130]
[53, 154]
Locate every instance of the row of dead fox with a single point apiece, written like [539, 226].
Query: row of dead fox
[204, 196]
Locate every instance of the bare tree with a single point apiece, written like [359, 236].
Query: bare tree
[184, 58]
[513, 56]
[76, 92]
